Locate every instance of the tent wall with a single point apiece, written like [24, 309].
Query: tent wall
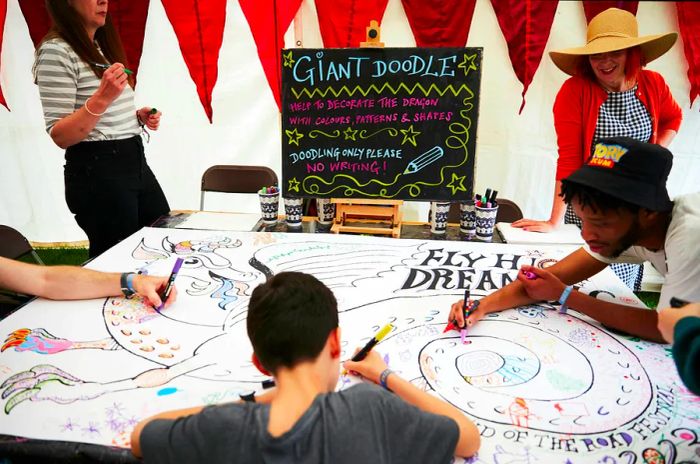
[516, 153]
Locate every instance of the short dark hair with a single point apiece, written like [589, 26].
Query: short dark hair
[289, 319]
[590, 197]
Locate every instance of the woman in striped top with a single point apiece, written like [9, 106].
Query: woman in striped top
[89, 110]
[608, 95]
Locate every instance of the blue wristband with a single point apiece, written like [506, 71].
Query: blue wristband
[130, 281]
[565, 296]
[383, 377]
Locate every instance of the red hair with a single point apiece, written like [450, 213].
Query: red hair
[633, 63]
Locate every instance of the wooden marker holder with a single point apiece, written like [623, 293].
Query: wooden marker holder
[368, 216]
[363, 216]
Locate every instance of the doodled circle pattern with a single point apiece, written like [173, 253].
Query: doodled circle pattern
[569, 378]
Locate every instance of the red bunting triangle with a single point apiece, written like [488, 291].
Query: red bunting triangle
[592, 7]
[268, 27]
[3, 15]
[689, 26]
[37, 18]
[440, 23]
[199, 27]
[525, 25]
[343, 23]
[129, 18]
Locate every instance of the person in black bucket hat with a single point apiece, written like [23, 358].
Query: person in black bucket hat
[620, 195]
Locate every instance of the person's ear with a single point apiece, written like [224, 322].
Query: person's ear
[334, 342]
[647, 216]
[258, 364]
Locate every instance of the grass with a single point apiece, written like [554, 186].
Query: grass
[651, 299]
[50, 256]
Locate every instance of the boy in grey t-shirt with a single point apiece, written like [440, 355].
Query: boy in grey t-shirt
[293, 327]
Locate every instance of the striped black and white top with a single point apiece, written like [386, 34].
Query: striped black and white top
[65, 82]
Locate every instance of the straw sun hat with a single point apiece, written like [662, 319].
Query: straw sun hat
[612, 30]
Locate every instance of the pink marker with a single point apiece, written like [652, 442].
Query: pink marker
[530, 275]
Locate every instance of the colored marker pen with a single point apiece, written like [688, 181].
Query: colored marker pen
[153, 111]
[529, 275]
[106, 66]
[362, 354]
[465, 312]
[171, 281]
[678, 303]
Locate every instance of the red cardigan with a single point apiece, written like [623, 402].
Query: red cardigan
[576, 115]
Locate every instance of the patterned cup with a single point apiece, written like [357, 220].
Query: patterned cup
[485, 222]
[269, 205]
[438, 216]
[293, 212]
[326, 210]
[467, 218]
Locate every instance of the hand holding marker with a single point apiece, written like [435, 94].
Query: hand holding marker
[106, 66]
[171, 282]
[467, 309]
[362, 354]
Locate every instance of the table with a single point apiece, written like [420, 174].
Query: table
[565, 388]
[409, 229]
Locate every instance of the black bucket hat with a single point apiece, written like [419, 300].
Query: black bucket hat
[629, 170]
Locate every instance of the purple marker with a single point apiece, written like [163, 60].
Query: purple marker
[530, 275]
[171, 281]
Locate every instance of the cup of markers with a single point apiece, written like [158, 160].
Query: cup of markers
[269, 204]
[467, 218]
[439, 210]
[485, 211]
[293, 212]
[326, 211]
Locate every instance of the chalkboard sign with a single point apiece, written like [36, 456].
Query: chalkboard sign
[396, 123]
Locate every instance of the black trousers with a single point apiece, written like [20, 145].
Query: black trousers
[111, 190]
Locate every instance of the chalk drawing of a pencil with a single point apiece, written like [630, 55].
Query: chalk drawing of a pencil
[425, 159]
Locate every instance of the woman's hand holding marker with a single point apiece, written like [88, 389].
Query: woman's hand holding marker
[149, 117]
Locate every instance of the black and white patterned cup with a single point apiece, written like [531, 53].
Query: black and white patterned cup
[467, 218]
[485, 222]
[293, 212]
[438, 216]
[326, 210]
[269, 205]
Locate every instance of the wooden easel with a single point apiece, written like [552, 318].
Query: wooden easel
[363, 216]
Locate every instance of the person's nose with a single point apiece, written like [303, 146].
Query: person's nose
[588, 233]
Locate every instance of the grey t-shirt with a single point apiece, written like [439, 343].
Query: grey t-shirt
[362, 424]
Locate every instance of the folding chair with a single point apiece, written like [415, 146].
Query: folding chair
[14, 245]
[229, 178]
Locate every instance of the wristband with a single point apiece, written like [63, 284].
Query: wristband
[90, 112]
[562, 299]
[383, 377]
[127, 283]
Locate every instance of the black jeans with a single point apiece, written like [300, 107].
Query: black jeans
[111, 190]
